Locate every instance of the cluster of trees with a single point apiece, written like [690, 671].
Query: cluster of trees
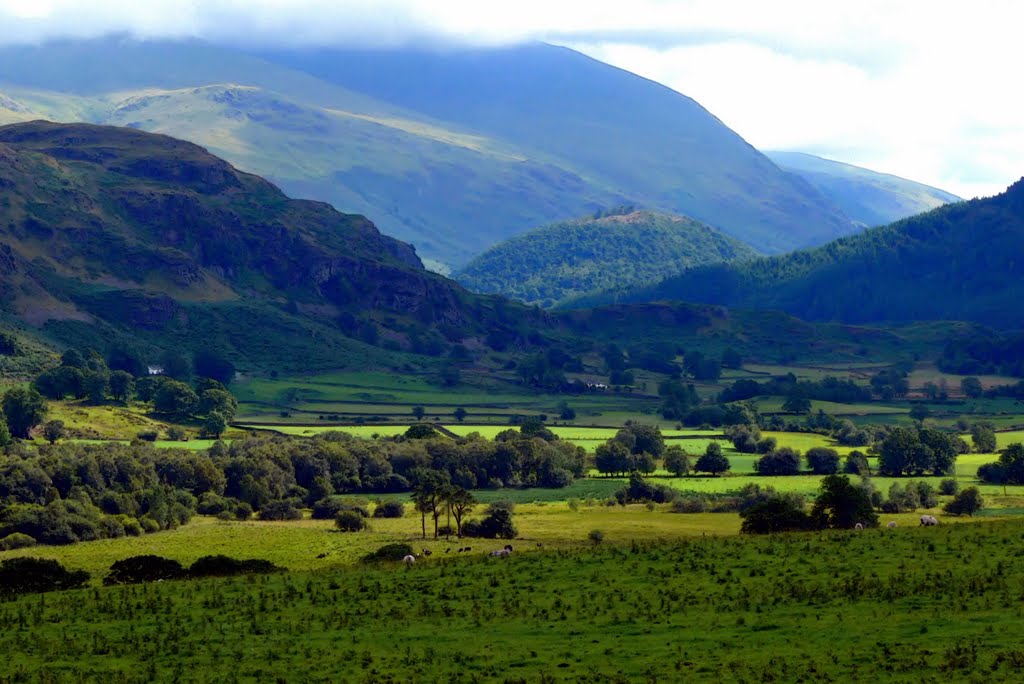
[916, 451]
[86, 375]
[839, 504]
[634, 448]
[72, 492]
[990, 353]
[1009, 469]
[829, 389]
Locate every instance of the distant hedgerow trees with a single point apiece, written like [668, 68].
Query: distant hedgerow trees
[910, 451]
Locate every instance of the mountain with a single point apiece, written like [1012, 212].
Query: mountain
[958, 262]
[868, 197]
[627, 248]
[112, 237]
[454, 150]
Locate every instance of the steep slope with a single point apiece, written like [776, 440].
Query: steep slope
[624, 248]
[123, 237]
[867, 197]
[958, 262]
[453, 151]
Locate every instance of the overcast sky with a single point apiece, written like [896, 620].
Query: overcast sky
[925, 90]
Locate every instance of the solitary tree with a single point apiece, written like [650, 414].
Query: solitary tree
[796, 403]
[460, 414]
[24, 408]
[713, 461]
[419, 412]
[214, 425]
[984, 438]
[822, 460]
[971, 387]
[53, 430]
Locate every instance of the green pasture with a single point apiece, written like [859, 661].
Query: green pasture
[906, 604]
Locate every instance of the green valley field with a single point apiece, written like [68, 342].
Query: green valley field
[925, 604]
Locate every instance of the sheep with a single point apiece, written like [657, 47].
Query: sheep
[928, 520]
[409, 560]
[859, 526]
[892, 524]
[503, 553]
[426, 552]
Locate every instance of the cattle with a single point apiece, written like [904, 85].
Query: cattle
[892, 524]
[928, 520]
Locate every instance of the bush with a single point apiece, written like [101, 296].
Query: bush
[968, 501]
[596, 536]
[497, 525]
[778, 514]
[856, 464]
[389, 509]
[690, 504]
[388, 552]
[949, 487]
[16, 541]
[503, 505]
[822, 460]
[282, 509]
[224, 566]
[36, 575]
[784, 461]
[143, 569]
[328, 508]
[148, 435]
[149, 525]
[176, 433]
[349, 521]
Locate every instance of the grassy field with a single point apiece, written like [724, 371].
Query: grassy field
[915, 605]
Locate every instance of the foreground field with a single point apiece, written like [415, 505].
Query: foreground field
[933, 604]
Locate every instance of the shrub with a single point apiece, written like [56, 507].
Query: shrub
[349, 521]
[149, 525]
[16, 540]
[778, 514]
[389, 509]
[148, 435]
[690, 504]
[503, 505]
[36, 575]
[949, 487]
[282, 509]
[967, 501]
[224, 566]
[328, 508]
[497, 525]
[595, 536]
[132, 528]
[176, 433]
[389, 552]
[143, 569]
[822, 460]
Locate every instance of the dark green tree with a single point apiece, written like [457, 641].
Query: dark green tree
[95, 384]
[777, 514]
[712, 461]
[218, 401]
[214, 425]
[53, 430]
[782, 461]
[24, 408]
[822, 460]
[677, 461]
[842, 505]
[984, 438]
[460, 414]
[418, 412]
[797, 403]
[173, 396]
[122, 384]
[968, 501]
[971, 387]
[460, 502]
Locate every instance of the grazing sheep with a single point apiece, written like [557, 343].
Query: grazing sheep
[468, 549]
[928, 520]
[500, 553]
[426, 552]
[409, 560]
[892, 523]
[859, 526]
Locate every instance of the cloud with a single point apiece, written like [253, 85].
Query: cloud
[921, 89]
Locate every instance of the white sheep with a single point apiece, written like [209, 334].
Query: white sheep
[928, 520]
[409, 560]
[859, 526]
[892, 524]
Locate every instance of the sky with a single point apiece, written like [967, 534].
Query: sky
[924, 90]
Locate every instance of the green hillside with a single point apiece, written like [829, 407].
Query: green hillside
[626, 249]
[867, 197]
[114, 237]
[453, 152]
[958, 262]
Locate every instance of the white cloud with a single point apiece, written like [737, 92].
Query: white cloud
[921, 89]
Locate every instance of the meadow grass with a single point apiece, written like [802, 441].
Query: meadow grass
[906, 604]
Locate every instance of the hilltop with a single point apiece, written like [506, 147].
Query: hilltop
[623, 248]
[957, 262]
[451, 150]
[868, 197]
